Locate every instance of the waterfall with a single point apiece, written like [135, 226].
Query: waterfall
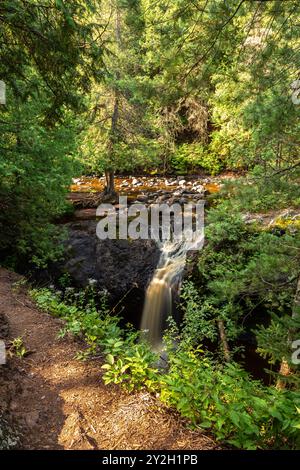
[167, 277]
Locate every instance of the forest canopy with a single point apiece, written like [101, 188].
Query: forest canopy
[175, 89]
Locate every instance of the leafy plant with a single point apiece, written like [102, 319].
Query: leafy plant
[17, 347]
[225, 400]
[133, 369]
[211, 395]
[188, 158]
[103, 335]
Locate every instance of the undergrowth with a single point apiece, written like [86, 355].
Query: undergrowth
[215, 396]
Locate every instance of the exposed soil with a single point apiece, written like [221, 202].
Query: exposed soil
[58, 402]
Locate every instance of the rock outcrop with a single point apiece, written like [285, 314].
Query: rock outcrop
[116, 265]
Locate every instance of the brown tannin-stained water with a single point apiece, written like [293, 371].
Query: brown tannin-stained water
[168, 275]
[158, 301]
[166, 280]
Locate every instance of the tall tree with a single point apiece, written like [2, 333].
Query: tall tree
[58, 40]
[49, 52]
[122, 133]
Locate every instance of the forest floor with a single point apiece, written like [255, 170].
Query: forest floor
[57, 402]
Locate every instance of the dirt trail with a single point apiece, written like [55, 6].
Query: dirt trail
[58, 402]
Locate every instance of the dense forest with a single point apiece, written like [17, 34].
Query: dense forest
[158, 100]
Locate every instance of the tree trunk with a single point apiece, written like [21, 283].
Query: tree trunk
[285, 368]
[224, 341]
[109, 173]
[109, 183]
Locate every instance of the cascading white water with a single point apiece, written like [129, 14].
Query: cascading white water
[167, 276]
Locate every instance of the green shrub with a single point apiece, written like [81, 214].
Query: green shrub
[192, 157]
[224, 399]
[129, 361]
[220, 397]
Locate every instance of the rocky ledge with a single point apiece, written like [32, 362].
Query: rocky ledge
[116, 265]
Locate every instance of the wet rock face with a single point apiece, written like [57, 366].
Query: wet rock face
[116, 265]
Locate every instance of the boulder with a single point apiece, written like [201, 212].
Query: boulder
[142, 198]
[162, 198]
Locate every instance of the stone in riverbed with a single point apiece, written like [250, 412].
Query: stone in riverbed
[162, 198]
[198, 188]
[170, 183]
[183, 200]
[142, 198]
[173, 200]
